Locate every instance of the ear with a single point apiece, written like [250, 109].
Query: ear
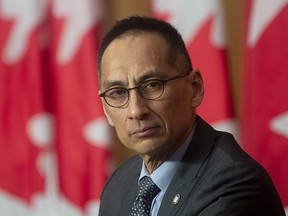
[106, 113]
[197, 87]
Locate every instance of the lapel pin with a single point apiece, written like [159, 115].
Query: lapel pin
[176, 199]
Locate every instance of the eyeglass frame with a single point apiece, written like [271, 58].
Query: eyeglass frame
[163, 81]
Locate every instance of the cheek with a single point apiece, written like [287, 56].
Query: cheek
[177, 112]
[119, 121]
[115, 118]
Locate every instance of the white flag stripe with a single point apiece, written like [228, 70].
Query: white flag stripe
[263, 13]
[26, 14]
[40, 129]
[96, 132]
[189, 16]
[80, 16]
[279, 124]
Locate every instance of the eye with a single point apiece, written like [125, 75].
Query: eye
[151, 86]
[116, 93]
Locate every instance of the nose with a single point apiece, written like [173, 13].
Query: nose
[137, 106]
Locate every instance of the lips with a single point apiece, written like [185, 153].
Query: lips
[145, 131]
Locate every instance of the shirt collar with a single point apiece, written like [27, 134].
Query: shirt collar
[162, 176]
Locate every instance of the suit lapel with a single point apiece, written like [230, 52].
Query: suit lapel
[131, 186]
[189, 169]
[175, 197]
[128, 201]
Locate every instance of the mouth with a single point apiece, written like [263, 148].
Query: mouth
[145, 131]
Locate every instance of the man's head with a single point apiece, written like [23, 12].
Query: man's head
[148, 88]
[132, 26]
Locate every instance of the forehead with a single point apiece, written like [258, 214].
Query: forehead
[135, 54]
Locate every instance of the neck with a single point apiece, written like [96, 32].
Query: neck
[154, 160]
[151, 165]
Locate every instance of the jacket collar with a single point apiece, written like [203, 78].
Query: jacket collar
[189, 169]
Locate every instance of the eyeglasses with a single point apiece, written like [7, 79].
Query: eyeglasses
[151, 90]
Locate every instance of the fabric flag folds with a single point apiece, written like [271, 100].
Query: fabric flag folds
[202, 26]
[265, 96]
[54, 145]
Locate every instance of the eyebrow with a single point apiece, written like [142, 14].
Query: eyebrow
[151, 74]
[110, 83]
[148, 75]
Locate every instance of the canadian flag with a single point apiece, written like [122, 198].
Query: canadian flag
[201, 24]
[265, 96]
[54, 145]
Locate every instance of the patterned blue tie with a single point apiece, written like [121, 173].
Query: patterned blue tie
[147, 190]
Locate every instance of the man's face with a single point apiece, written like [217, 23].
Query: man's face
[153, 128]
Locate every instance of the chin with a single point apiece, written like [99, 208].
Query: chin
[148, 149]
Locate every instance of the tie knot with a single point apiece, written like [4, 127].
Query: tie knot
[147, 188]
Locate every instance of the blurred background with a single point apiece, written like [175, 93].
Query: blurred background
[56, 148]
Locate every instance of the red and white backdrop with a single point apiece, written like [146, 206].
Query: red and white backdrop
[201, 23]
[265, 95]
[53, 134]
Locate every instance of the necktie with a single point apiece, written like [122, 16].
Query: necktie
[147, 190]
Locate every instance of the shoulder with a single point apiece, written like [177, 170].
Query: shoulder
[227, 153]
[220, 147]
[227, 159]
[119, 190]
[229, 178]
[129, 169]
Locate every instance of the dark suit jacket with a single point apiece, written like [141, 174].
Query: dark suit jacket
[215, 177]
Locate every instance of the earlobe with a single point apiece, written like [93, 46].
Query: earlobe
[198, 88]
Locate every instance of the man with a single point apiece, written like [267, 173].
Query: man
[149, 92]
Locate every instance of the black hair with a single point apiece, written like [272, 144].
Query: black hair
[134, 25]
